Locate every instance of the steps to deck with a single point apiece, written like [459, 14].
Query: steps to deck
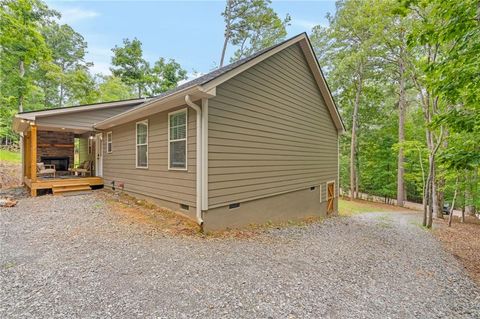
[70, 188]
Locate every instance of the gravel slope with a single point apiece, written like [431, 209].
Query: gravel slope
[65, 257]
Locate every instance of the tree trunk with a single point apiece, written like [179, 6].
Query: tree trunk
[450, 218]
[401, 134]
[228, 11]
[440, 197]
[61, 95]
[354, 135]
[225, 43]
[440, 187]
[21, 71]
[471, 209]
[435, 190]
[424, 189]
[431, 191]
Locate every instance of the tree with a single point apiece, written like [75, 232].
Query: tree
[447, 32]
[82, 87]
[112, 88]
[348, 46]
[252, 25]
[22, 42]
[129, 65]
[68, 54]
[165, 76]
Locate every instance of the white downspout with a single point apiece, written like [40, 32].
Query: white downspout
[204, 154]
[199, 184]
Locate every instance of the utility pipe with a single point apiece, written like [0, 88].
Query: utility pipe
[198, 156]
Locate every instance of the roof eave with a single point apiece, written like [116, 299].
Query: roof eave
[156, 105]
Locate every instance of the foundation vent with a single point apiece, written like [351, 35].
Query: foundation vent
[234, 205]
[184, 206]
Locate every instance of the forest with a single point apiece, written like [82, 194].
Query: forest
[405, 75]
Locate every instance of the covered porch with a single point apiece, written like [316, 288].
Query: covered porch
[60, 160]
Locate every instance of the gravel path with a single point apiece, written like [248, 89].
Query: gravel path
[65, 257]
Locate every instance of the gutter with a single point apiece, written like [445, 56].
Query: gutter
[199, 159]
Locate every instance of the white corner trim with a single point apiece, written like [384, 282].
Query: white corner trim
[321, 197]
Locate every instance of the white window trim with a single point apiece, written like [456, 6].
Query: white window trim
[186, 140]
[90, 145]
[111, 142]
[136, 144]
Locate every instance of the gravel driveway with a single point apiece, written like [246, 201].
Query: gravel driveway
[67, 257]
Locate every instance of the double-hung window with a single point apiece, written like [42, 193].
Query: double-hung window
[109, 142]
[142, 144]
[177, 140]
[90, 145]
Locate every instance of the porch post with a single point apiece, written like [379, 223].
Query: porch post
[26, 158]
[22, 154]
[33, 157]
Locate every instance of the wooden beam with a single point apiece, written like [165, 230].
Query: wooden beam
[27, 155]
[33, 155]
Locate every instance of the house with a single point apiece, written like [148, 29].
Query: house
[254, 141]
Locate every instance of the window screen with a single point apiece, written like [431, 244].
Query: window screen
[142, 144]
[177, 123]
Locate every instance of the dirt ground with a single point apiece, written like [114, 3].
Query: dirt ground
[132, 210]
[462, 240]
[9, 174]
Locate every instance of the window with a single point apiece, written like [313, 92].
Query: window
[177, 140]
[142, 144]
[109, 142]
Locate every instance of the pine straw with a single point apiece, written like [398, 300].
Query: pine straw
[141, 212]
[10, 174]
[463, 241]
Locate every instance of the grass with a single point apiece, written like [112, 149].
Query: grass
[350, 208]
[8, 156]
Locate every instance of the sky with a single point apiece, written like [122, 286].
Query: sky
[191, 32]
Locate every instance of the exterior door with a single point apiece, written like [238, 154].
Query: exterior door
[330, 197]
[99, 155]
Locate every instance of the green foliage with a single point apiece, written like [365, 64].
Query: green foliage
[22, 46]
[252, 25]
[129, 65]
[43, 65]
[112, 88]
[165, 76]
[438, 44]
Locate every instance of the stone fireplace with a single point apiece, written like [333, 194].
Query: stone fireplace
[55, 147]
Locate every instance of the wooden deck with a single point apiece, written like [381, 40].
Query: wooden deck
[51, 183]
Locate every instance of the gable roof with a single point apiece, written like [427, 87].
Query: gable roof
[201, 87]
[204, 86]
